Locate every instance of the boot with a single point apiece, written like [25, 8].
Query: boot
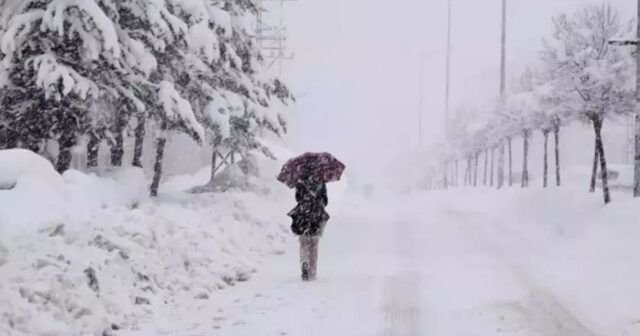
[305, 271]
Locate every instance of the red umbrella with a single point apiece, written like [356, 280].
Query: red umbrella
[326, 167]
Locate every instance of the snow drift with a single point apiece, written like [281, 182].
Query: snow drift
[89, 254]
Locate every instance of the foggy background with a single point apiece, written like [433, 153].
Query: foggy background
[356, 74]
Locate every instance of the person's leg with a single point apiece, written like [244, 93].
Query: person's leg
[313, 256]
[305, 256]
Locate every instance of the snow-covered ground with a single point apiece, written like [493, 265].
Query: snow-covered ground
[536, 262]
[460, 262]
[91, 254]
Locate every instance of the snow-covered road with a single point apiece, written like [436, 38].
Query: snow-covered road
[395, 267]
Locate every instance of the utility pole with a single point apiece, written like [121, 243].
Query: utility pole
[447, 90]
[272, 39]
[421, 58]
[420, 110]
[636, 161]
[502, 89]
[448, 75]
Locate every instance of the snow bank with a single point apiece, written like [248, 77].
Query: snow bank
[21, 163]
[567, 241]
[98, 256]
[124, 187]
[30, 192]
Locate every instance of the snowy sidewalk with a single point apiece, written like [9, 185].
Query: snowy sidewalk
[394, 268]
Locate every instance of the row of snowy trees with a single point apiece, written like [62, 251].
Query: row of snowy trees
[581, 78]
[92, 71]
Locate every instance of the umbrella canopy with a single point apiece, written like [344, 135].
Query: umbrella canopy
[325, 167]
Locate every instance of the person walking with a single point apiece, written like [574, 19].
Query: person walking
[308, 174]
[309, 219]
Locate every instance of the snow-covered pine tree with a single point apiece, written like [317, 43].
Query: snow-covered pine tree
[166, 38]
[229, 89]
[593, 78]
[60, 57]
[260, 95]
[167, 106]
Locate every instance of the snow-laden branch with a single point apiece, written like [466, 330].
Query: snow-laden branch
[18, 31]
[178, 109]
[59, 80]
[78, 13]
[204, 43]
[222, 20]
[217, 114]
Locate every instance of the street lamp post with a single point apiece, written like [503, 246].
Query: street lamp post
[420, 110]
[502, 89]
[636, 162]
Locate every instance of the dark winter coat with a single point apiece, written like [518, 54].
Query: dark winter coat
[309, 216]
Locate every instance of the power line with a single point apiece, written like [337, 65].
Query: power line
[272, 39]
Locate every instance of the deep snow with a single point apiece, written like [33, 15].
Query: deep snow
[459, 262]
[462, 262]
[91, 254]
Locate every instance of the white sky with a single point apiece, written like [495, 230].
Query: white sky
[356, 66]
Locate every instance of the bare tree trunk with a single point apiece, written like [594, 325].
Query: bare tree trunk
[525, 168]
[501, 164]
[214, 164]
[455, 173]
[65, 143]
[545, 168]
[466, 174]
[486, 163]
[510, 163]
[475, 169]
[139, 140]
[556, 135]
[445, 184]
[92, 150]
[161, 141]
[450, 168]
[117, 150]
[603, 162]
[470, 164]
[491, 172]
[117, 147]
[594, 169]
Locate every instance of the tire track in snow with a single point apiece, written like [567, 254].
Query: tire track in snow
[401, 307]
[401, 304]
[542, 313]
